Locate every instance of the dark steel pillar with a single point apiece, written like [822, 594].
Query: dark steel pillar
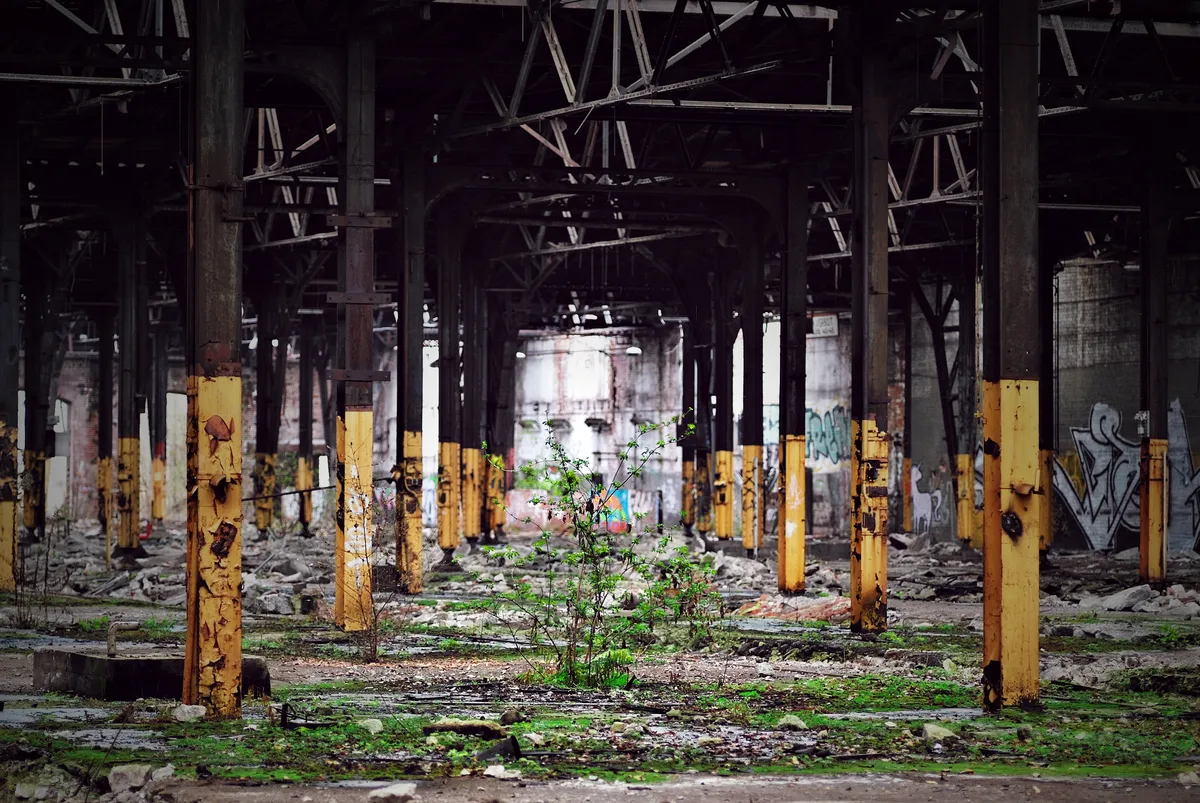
[473, 358]
[869, 397]
[408, 473]
[1154, 399]
[158, 423]
[104, 429]
[131, 237]
[753, 499]
[304, 456]
[267, 389]
[723, 336]
[449, 392]
[501, 381]
[965, 422]
[353, 608]
[10, 345]
[702, 479]
[213, 659]
[36, 412]
[685, 433]
[793, 343]
[906, 513]
[1014, 486]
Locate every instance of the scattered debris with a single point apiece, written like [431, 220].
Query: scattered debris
[791, 722]
[483, 728]
[188, 713]
[500, 772]
[931, 732]
[127, 777]
[396, 793]
[371, 726]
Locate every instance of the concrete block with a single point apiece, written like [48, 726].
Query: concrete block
[128, 677]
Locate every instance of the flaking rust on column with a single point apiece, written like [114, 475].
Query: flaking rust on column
[213, 669]
[495, 493]
[264, 490]
[8, 507]
[358, 609]
[869, 515]
[35, 489]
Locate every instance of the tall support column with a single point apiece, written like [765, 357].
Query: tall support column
[1014, 485]
[906, 485]
[266, 419]
[1046, 435]
[353, 583]
[158, 424]
[129, 451]
[964, 461]
[723, 333]
[449, 394]
[104, 430]
[753, 500]
[702, 478]
[793, 342]
[869, 399]
[213, 658]
[10, 345]
[473, 357]
[685, 433]
[1154, 403]
[304, 450]
[408, 473]
[501, 381]
[36, 405]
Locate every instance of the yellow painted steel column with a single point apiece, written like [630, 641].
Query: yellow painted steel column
[129, 489]
[409, 540]
[687, 493]
[1013, 472]
[304, 484]
[868, 522]
[8, 506]
[793, 526]
[472, 492]
[1046, 508]
[1153, 538]
[35, 487]
[906, 483]
[703, 488]
[497, 509]
[449, 492]
[158, 478]
[213, 657]
[355, 580]
[339, 524]
[964, 466]
[104, 500]
[264, 490]
[753, 509]
[723, 495]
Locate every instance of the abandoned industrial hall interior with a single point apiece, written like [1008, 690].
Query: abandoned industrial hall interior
[558, 400]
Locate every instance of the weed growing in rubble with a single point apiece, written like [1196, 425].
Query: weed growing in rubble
[599, 599]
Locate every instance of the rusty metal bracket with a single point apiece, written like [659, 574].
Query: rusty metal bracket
[367, 221]
[350, 375]
[366, 299]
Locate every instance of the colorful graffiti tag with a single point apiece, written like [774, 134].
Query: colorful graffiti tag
[1099, 484]
[827, 435]
[615, 512]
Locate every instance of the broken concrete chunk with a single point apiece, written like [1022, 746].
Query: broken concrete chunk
[163, 773]
[127, 777]
[396, 793]
[511, 716]
[535, 739]
[467, 727]
[791, 722]
[1127, 599]
[188, 713]
[936, 733]
[499, 771]
[25, 791]
[1189, 778]
[371, 726]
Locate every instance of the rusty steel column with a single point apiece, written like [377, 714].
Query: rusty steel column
[449, 394]
[10, 345]
[1047, 448]
[964, 461]
[354, 608]
[685, 432]
[473, 355]
[869, 399]
[1152, 426]
[130, 235]
[267, 390]
[104, 429]
[906, 487]
[213, 659]
[1014, 485]
[408, 472]
[724, 328]
[501, 380]
[754, 508]
[304, 449]
[702, 477]
[36, 404]
[792, 524]
[158, 424]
